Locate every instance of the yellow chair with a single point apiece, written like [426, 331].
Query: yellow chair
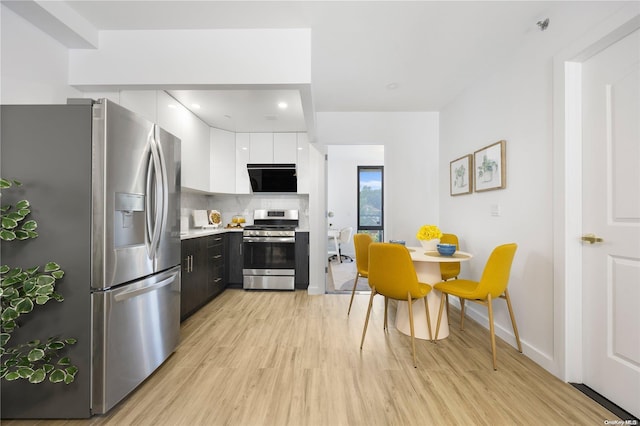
[392, 274]
[361, 244]
[449, 270]
[492, 285]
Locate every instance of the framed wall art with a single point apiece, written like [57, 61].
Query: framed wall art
[461, 175]
[490, 167]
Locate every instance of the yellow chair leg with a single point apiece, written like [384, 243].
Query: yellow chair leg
[366, 321]
[413, 339]
[442, 302]
[492, 331]
[513, 319]
[461, 313]
[386, 308]
[353, 293]
[426, 309]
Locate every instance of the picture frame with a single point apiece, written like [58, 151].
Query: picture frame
[461, 175]
[490, 167]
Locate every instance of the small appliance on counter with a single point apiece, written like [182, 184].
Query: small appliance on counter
[207, 219]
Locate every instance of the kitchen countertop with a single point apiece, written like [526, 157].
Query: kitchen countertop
[195, 233]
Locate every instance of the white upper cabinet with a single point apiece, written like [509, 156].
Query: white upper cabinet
[302, 167]
[243, 144]
[194, 137]
[285, 147]
[223, 161]
[261, 148]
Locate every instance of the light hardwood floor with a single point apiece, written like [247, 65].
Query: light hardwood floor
[287, 358]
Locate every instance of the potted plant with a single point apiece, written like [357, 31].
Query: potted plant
[429, 236]
[21, 290]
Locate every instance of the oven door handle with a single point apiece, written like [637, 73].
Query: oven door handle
[269, 239]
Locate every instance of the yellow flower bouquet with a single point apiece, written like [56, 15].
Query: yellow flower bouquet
[429, 232]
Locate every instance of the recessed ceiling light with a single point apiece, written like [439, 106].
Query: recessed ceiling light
[392, 86]
[282, 105]
[195, 106]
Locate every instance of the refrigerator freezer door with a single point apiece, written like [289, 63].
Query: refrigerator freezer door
[136, 327]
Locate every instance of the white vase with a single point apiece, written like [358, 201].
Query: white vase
[430, 245]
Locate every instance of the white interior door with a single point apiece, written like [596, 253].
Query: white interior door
[611, 211]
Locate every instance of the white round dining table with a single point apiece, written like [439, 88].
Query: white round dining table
[427, 265]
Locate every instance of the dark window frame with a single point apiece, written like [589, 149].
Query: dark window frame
[372, 228]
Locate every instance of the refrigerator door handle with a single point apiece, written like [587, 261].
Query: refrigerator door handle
[164, 189]
[129, 294]
[154, 197]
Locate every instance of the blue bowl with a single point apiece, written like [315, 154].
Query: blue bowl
[446, 249]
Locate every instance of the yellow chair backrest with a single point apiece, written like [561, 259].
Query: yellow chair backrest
[361, 244]
[449, 269]
[391, 271]
[495, 276]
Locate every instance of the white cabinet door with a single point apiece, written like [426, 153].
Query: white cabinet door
[223, 161]
[195, 153]
[261, 148]
[285, 147]
[243, 145]
[171, 114]
[194, 138]
[143, 102]
[302, 167]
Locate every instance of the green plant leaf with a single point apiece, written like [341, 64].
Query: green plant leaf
[4, 269]
[4, 338]
[15, 216]
[46, 281]
[71, 370]
[9, 223]
[64, 361]
[35, 355]
[55, 345]
[48, 368]
[57, 274]
[57, 297]
[9, 314]
[57, 376]
[8, 326]
[32, 234]
[22, 204]
[4, 183]
[24, 306]
[29, 225]
[21, 235]
[51, 266]
[71, 341]
[38, 376]
[68, 379]
[24, 212]
[25, 372]
[13, 375]
[41, 300]
[7, 235]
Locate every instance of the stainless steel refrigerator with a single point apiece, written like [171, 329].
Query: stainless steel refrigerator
[116, 192]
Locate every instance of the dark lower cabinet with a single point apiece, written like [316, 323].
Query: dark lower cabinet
[215, 265]
[302, 260]
[234, 259]
[194, 275]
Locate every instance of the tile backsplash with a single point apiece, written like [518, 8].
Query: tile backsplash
[230, 205]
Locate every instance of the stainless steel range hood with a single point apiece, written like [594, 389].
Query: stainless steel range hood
[273, 178]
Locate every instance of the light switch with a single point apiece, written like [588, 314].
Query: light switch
[495, 209]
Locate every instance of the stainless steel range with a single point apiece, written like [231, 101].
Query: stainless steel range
[269, 250]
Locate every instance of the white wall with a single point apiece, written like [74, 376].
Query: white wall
[34, 66]
[342, 184]
[515, 104]
[410, 141]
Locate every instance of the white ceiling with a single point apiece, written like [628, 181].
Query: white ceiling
[428, 50]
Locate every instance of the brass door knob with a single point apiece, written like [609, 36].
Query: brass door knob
[591, 239]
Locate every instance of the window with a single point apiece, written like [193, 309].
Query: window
[370, 201]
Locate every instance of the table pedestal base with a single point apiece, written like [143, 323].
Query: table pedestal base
[420, 319]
